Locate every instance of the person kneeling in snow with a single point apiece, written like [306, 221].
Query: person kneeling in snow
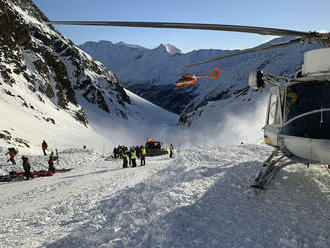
[51, 160]
[27, 168]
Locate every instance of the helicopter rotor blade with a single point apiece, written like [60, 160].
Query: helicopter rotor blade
[255, 49]
[216, 27]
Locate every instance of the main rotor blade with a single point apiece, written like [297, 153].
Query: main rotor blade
[217, 27]
[256, 49]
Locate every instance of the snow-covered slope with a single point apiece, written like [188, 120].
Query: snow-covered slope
[48, 87]
[146, 120]
[200, 198]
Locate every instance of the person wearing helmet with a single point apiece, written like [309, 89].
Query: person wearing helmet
[51, 159]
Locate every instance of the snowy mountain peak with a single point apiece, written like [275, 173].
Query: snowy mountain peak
[169, 48]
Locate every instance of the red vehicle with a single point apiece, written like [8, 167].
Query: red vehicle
[154, 148]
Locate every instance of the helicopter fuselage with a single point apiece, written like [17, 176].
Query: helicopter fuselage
[298, 115]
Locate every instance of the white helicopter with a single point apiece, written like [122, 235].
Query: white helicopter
[298, 116]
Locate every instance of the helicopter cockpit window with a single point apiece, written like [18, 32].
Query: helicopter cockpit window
[274, 114]
[305, 97]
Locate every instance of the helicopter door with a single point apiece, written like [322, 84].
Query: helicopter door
[274, 117]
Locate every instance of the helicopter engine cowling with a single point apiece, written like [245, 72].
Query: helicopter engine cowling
[316, 62]
[256, 80]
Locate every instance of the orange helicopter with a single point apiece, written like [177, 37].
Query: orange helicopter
[191, 79]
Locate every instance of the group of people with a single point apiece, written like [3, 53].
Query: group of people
[129, 155]
[12, 152]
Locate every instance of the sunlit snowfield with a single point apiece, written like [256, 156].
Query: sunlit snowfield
[200, 198]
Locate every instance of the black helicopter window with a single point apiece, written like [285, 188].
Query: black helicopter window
[305, 97]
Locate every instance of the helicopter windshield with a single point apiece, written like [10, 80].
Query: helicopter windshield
[307, 96]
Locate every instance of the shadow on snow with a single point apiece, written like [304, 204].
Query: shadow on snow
[292, 213]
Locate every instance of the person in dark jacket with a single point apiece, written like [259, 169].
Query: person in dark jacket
[115, 152]
[51, 160]
[138, 151]
[27, 168]
[44, 147]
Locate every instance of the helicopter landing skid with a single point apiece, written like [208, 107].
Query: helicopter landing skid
[269, 169]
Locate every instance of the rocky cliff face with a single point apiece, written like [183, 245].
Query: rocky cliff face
[36, 57]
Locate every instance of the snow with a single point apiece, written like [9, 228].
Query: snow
[31, 124]
[201, 198]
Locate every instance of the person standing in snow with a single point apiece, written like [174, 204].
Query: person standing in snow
[143, 155]
[12, 153]
[138, 151]
[133, 156]
[27, 168]
[120, 151]
[44, 147]
[51, 160]
[115, 152]
[129, 156]
[171, 151]
[124, 155]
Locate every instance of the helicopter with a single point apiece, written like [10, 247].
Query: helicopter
[191, 79]
[298, 113]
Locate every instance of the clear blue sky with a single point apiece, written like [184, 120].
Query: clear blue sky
[299, 15]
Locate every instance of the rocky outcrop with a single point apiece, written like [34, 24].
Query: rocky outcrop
[52, 66]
